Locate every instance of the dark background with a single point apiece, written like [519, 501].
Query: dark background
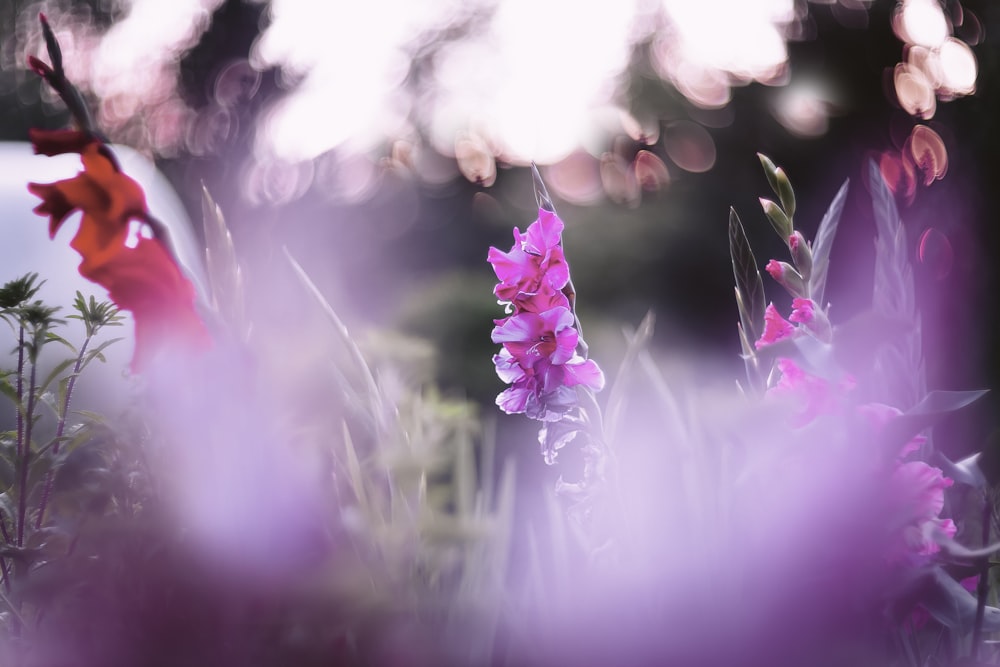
[413, 256]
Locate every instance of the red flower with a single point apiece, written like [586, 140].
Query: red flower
[143, 279]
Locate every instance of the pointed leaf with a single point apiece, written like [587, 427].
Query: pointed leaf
[823, 244]
[616, 395]
[953, 606]
[541, 193]
[55, 373]
[966, 471]
[225, 277]
[748, 280]
[926, 413]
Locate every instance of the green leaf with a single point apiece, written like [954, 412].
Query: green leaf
[823, 244]
[55, 373]
[56, 338]
[748, 281]
[8, 390]
[98, 352]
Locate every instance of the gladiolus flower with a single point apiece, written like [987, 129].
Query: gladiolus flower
[531, 337]
[535, 264]
[538, 358]
[144, 278]
[776, 327]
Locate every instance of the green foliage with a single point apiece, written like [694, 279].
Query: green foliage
[54, 462]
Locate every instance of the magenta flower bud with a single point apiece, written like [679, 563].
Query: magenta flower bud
[785, 275]
[806, 312]
[801, 254]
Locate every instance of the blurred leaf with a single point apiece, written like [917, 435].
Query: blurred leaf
[900, 366]
[361, 366]
[635, 343]
[748, 281]
[823, 244]
[55, 373]
[8, 390]
[56, 338]
[225, 277]
[926, 413]
[951, 605]
[966, 471]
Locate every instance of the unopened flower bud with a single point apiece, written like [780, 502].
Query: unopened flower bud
[805, 311]
[786, 276]
[782, 225]
[785, 192]
[801, 254]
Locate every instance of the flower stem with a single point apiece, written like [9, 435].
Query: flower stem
[60, 429]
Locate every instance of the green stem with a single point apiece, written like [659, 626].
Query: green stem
[22, 501]
[60, 429]
[20, 393]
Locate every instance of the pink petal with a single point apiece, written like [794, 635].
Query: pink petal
[776, 327]
[544, 234]
[585, 372]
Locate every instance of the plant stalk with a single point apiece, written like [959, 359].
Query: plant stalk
[60, 429]
[22, 501]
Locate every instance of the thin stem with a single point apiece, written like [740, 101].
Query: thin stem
[22, 501]
[60, 429]
[3, 561]
[20, 392]
[983, 587]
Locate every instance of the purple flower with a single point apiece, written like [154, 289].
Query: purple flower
[538, 359]
[535, 264]
[530, 337]
[544, 391]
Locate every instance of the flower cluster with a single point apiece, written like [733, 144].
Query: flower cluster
[915, 489]
[539, 358]
[139, 273]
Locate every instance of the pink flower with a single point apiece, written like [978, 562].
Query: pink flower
[879, 415]
[534, 263]
[544, 391]
[776, 269]
[814, 396]
[776, 327]
[916, 500]
[803, 311]
[531, 337]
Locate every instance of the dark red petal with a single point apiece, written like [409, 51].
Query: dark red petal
[58, 142]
